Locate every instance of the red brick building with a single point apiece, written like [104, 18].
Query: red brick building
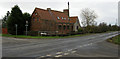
[51, 21]
[4, 31]
[76, 23]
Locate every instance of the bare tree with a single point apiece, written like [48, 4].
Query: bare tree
[88, 17]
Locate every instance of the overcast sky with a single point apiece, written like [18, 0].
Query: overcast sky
[107, 10]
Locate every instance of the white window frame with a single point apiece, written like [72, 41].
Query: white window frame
[62, 18]
[65, 18]
[58, 18]
[35, 13]
[69, 19]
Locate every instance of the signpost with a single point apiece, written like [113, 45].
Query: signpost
[26, 27]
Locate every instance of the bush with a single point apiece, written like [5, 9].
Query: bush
[102, 27]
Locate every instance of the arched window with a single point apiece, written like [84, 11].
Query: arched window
[58, 18]
[33, 18]
[65, 18]
[62, 18]
[35, 13]
[37, 19]
[59, 26]
[64, 27]
[77, 28]
[68, 27]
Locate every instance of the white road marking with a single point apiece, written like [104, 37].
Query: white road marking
[42, 56]
[73, 51]
[58, 56]
[66, 53]
[59, 52]
[48, 55]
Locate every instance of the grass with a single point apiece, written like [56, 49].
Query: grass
[115, 40]
[23, 36]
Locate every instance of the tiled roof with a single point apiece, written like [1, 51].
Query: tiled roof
[44, 14]
[73, 19]
[52, 15]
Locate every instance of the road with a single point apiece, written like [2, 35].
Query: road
[94, 45]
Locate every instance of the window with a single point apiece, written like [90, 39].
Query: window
[77, 28]
[35, 13]
[59, 26]
[68, 27]
[65, 18]
[33, 19]
[58, 18]
[64, 27]
[62, 18]
[37, 19]
[68, 18]
[72, 27]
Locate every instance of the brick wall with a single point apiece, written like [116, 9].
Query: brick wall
[38, 24]
[4, 31]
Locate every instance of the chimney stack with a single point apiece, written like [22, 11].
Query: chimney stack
[66, 11]
[48, 9]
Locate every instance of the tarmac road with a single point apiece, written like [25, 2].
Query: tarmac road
[94, 45]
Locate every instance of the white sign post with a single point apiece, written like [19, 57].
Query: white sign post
[26, 27]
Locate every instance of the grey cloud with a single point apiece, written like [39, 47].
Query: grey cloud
[107, 11]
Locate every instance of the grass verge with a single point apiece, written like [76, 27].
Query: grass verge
[115, 40]
[70, 36]
[23, 36]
